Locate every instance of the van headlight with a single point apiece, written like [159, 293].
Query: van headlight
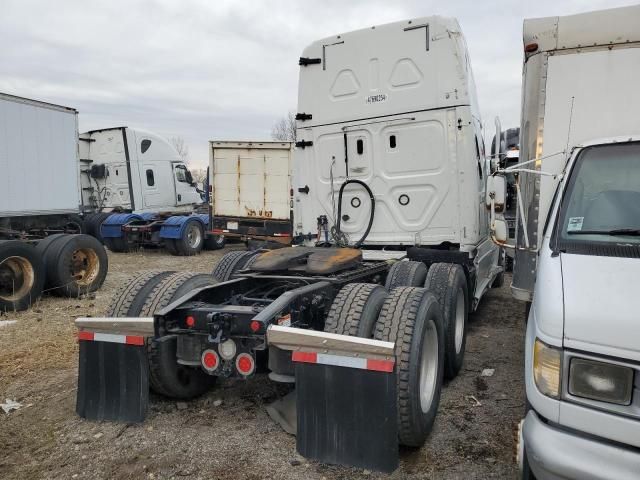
[600, 381]
[546, 368]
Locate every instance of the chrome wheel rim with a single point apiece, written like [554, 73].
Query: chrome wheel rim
[428, 366]
[194, 236]
[459, 327]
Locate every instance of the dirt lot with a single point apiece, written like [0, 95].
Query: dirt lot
[474, 434]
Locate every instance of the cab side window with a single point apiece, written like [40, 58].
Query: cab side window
[181, 173]
[144, 145]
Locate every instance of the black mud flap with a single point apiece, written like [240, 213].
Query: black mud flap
[113, 381]
[347, 416]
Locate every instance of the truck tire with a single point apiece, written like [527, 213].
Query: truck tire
[192, 240]
[406, 274]
[44, 245]
[21, 275]
[230, 263]
[412, 319]
[131, 296]
[166, 376]
[75, 265]
[355, 310]
[215, 242]
[93, 222]
[170, 246]
[448, 283]
[120, 244]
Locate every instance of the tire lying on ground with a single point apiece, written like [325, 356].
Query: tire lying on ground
[75, 264]
[406, 274]
[21, 275]
[192, 240]
[448, 283]
[355, 310]
[412, 319]
[166, 376]
[230, 263]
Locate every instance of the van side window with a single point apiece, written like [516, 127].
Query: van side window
[392, 141]
[360, 146]
[150, 180]
[144, 145]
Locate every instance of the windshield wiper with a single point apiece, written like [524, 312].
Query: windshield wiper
[618, 231]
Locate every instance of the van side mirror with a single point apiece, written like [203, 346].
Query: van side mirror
[496, 196]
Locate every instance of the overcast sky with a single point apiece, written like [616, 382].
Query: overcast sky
[224, 69]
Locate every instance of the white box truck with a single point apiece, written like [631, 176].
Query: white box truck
[41, 244]
[577, 256]
[250, 193]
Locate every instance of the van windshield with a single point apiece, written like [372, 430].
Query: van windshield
[601, 207]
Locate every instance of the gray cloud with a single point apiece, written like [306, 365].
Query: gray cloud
[225, 69]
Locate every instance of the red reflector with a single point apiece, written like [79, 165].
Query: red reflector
[291, 192]
[245, 364]
[380, 365]
[210, 360]
[85, 335]
[305, 357]
[532, 47]
[134, 340]
[255, 325]
[190, 321]
[217, 230]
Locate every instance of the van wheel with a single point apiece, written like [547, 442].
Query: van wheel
[215, 242]
[406, 274]
[166, 376]
[355, 310]
[21, 275]
[411, 318]
[75, 265]
[192, 239]
[448, 283]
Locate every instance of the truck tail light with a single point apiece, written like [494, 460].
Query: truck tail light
[245, 364]
[254, 325]
[190, 321]
[210, 360]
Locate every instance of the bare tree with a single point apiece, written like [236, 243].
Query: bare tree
[199, 174]
[181, 147]
[285, 128]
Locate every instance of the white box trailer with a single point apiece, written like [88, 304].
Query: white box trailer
[251, 189]
[40, 203]
[38, 158]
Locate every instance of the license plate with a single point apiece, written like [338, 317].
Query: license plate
[232, 225]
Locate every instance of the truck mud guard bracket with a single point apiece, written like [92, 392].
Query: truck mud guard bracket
[113, 372]
[346, 402]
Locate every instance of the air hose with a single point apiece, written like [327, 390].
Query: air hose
[338, 236]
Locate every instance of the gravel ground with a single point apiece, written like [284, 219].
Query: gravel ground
[227, 434]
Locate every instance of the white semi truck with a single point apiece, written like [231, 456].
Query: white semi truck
[368, 312]
[577, 251]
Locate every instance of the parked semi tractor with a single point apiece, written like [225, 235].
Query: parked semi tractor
[137, 191]
[251, 190]
[368, 313]
[578, 245]
[41, 240]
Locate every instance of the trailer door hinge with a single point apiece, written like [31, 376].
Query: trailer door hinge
[304, 189]
[304, 61]
[303, 116]
[304, 143]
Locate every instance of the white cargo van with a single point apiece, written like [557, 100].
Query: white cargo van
[577, 255]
